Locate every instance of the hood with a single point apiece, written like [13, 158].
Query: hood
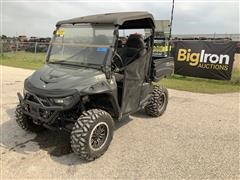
[62, 77]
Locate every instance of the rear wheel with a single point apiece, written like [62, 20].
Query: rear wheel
[158, 102]
[25, 122]
[92, 134]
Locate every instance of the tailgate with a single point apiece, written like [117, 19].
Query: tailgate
[162, 67]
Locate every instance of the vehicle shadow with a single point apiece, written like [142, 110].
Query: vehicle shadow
[141, 114]
[57, 144]
[122, 122]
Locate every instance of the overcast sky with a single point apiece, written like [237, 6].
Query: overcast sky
[38, 18]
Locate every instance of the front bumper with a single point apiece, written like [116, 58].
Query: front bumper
[38, 109]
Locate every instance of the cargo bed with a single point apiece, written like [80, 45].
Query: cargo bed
[161, 67]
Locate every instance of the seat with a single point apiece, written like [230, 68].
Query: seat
[120, 44]
[135, 41]
[134, 49]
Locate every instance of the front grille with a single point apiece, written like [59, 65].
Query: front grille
[34, 98]
[36, 110]
[44, 100]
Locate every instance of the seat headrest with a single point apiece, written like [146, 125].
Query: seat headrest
[135, 41]
[120, 44]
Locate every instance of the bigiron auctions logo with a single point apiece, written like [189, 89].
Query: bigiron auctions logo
[204, 60]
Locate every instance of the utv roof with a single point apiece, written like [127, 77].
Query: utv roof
[139, 19]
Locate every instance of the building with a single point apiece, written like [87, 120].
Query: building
[162, 29]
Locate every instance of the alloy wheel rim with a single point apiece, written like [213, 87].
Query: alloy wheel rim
[99, 136]
[162, 100]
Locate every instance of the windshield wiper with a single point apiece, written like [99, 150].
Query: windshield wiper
[57, 62]
[64, 62]
[91, 65]
[81, 64]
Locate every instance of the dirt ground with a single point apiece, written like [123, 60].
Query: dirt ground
[197, 137]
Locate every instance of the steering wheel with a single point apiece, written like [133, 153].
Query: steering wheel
[116, 61]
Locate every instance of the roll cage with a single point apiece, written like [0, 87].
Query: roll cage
[121, 20]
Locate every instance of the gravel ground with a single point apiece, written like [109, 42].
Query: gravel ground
[197, 137]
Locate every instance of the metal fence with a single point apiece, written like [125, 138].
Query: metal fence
[209, 37]
[34, 47]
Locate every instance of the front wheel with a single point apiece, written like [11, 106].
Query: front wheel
[92, 134]
[158, 102]
[25, 122]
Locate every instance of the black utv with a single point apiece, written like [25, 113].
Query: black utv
[92, 79]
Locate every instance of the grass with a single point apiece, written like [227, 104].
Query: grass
[202, 85]
[23, 59]
[30, 60]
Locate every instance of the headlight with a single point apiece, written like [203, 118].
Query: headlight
[63, 101]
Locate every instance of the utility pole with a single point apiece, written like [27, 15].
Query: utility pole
[170, 28]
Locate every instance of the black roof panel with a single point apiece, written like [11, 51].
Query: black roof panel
[111, 18]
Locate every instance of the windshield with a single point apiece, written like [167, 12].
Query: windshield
[81, 44]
